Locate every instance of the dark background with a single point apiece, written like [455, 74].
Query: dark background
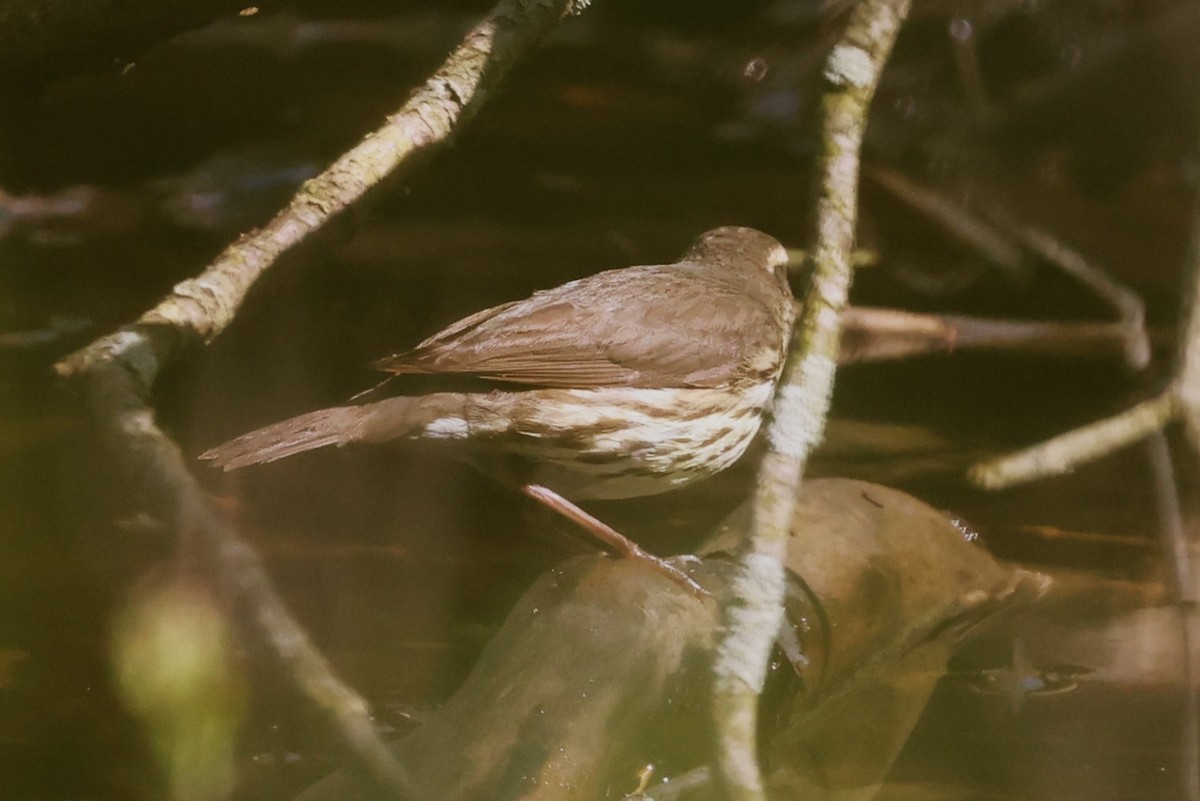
[128, 165]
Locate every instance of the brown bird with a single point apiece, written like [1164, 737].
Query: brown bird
[631, 382]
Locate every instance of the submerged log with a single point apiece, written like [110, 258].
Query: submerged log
[602, 668]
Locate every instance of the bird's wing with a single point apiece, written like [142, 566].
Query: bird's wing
[654, 326]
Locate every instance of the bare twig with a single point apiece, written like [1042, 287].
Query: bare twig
[1003, 241]
[1180, 401]
[1129, 306]
[125, 423]
[966, 56]
[959, 223]
[752, 607]
[1177, 555]
[118, 371]
[1188, 354]
[873, 334]
[1067, 451]
[1188, 388]
[200, 308]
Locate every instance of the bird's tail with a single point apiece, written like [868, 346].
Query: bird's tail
[393, 418]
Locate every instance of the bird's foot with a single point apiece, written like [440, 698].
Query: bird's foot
[613, 538]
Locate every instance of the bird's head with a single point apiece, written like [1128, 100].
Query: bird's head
[736, 245]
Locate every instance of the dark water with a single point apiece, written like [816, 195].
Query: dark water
[628, 134]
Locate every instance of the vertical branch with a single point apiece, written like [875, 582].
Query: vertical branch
[1188, 359]
[1177, 549]
[1176, 555]
[1180, 401]
[752, 607]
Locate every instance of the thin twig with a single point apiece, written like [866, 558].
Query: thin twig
[956, 221]
[1176, 553]
[125, 424]
[1130, 308]
[1066, 451]
[874, 334]
[1188, 388]
[752, 607]
[1003, 242]
[1170, 520]
[118, 371]
[966, 56]
[1188, 353]
[1180, 401]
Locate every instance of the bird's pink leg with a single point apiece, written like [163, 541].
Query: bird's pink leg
[611, 537]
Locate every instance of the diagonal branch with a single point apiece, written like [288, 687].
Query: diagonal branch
[1179, 402]
[1066, 451]
[1004, 241]
[200, 308]
[117, 372]
[752, 607]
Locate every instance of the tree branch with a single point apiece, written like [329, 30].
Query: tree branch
[1179, 402]
[872, 334]
[118, 371]
[1066, 451]
[752, 606]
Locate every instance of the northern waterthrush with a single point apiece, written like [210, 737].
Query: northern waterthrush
[630, 382]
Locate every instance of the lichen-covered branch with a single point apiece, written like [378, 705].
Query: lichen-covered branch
[1177, 549]
[200, 308]
[118, 371]
[1066, 451]
[752, 606]
[1179, 402]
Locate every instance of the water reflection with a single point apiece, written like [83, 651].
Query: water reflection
[610, 148]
